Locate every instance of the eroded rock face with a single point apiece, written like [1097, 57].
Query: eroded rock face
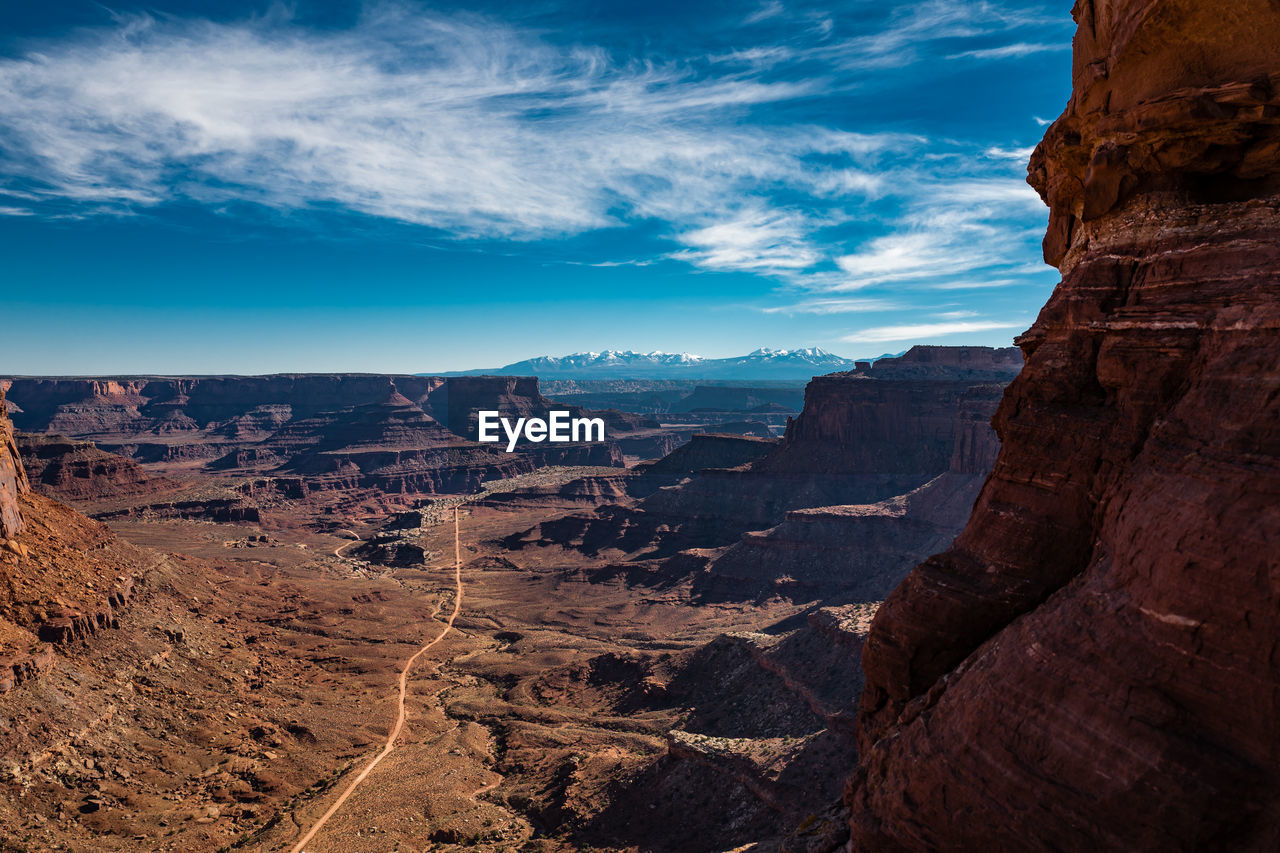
[1173, 104]
[897, 464]
[13, 479]
[1092, 664]
[397, 434]
[859, 440]
[861, 552]
[972, 364]
[710, 451]
[63, 468]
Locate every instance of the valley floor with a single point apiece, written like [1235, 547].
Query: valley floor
[256, 672]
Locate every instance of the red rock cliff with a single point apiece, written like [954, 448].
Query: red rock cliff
[76, 470]
[1093, 665]
[13, 479]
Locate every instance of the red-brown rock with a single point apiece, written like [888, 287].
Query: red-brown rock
[77, 470]
[398, 434]
[13, 478]
[861, 552]
[1093, 664]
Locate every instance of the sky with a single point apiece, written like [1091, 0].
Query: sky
[217, 186]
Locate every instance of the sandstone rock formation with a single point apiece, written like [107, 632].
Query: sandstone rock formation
[861, 552]
[1092, 665]
[859, 440]
[972, 364]
[400, 434]
[13, 478]
[77, 470]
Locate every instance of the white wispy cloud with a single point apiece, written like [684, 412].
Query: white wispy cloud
[1009, 51]
[913, 28]
[764, 12]
[835, 306]
[958, 228]
[482, 129]
[976, 284]
[752, 242]
[463, 124]
[1020, 155]
[924, 331]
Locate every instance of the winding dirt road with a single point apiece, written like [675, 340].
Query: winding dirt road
[394, 734]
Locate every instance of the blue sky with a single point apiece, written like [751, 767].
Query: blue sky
[208, 187]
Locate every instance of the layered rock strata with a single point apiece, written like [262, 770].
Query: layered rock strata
[13, 478]
[77, 470]
[859, 440]
[1092, 665]
[397, 434]
[861, 552]
[971, 364]
[148, 414]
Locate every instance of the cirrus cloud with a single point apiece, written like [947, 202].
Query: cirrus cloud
[484, 129]
[919, 331]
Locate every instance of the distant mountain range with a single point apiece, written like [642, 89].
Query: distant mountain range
[612, 364]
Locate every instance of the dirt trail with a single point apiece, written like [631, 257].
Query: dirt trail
[404, 682]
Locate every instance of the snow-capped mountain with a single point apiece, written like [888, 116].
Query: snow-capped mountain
[615, 364]
[595, 362]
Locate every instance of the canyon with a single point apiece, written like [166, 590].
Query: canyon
[250, 561]
[962, 598]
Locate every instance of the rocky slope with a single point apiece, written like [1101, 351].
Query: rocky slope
[13, 478]
[62, 576]
[1092, 665]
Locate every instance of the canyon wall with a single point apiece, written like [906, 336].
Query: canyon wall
[1093, 663]
[972, 364]
[861, 441]
[398, 434]
[77, 470]
[861, 552]
[13, 479]
[851, 423]
[862, 437]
